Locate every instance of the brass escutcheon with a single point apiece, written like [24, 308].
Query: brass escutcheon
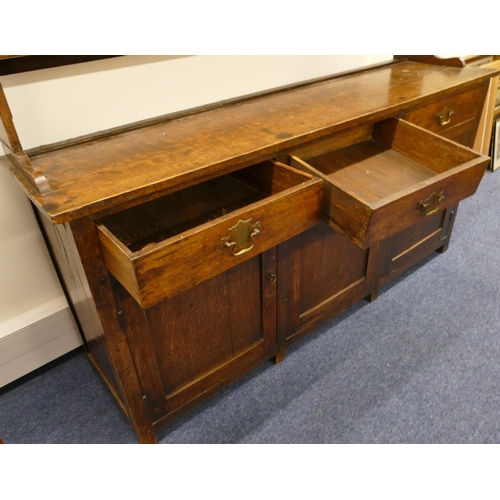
[445, 116]
[241, 237]
[431, 205]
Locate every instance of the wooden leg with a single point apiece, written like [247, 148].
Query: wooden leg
[373, 296]
[372, 277]
[451, 214]
[127, 381]
[280, 355]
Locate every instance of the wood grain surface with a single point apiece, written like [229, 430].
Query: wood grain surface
[91, 176]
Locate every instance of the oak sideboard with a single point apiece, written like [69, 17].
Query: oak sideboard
[195, 246]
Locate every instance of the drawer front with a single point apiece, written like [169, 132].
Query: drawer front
[452, 117]
[174, 265]
[447, 190]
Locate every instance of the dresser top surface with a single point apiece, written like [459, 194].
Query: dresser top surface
[89, 176]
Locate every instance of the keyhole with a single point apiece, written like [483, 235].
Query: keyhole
[272, 276]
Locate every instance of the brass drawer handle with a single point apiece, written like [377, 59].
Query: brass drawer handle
[425, 206]
[445, 116]
[240, 236]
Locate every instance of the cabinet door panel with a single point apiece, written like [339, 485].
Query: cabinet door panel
[197, 340]
[406, 248]
[321, 273]
[199, 330]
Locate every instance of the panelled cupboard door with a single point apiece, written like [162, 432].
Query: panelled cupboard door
[321, 273]
[191, 343]
[403, 250]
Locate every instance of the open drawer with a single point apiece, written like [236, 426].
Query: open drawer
[389, 177]
[163, 247]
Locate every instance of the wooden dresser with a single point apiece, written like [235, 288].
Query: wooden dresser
[196, 246]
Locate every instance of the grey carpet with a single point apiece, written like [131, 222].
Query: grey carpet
[418, 365]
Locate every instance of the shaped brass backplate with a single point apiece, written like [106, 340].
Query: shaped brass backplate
[241, 237]
[431, 205]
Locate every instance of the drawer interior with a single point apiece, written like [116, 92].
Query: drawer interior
[144, 225]
[392, 159]
[371, 170]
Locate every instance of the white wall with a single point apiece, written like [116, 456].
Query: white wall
[60, 103]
